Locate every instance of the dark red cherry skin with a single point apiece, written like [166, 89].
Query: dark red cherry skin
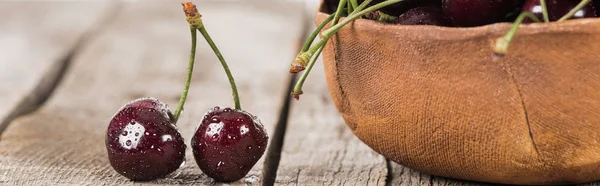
[557, 9]
[467, 13]
[427, 15]
[331, 6]
[401, 7]
[228, 143]
[142, 142]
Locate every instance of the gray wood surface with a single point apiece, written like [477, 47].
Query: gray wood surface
[35, 40]
[144, 52]
[319, 149]
[405, 176]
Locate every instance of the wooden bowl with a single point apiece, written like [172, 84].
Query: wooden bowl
[432, 99]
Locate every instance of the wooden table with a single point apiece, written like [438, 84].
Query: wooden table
[66, 67]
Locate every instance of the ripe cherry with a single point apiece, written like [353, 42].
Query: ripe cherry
[427, 15]
[142, 141]
[228, 143]
[557, 9]
[403, 6]
[477, 12]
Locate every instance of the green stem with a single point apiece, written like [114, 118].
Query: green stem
[361, 6]
[338, 12]
[349, 7]
[303, 58]
[544, 10]
[579, 6]
[313, 58]
[331, 31]
[313, 35]
[502, 43]
[354, 4]
[236, 97]
[298, 87]
[188, 79]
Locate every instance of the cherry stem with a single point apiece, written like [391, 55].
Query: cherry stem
[544, 10]
[314, 34]
[502, 43]
[338, 12]
[299, 63]
[349, 7]
[331, 31]
[188, 79]
[579, 6]
[236, 97]
[382, 17]
[298, 87]
[354, 4]
[297, 91]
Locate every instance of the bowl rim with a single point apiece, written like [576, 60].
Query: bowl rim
[574, 26]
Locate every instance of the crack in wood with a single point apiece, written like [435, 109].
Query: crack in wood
[389, 176]
[273, 157]
[271, 164]
[53, 76]
[298, 176]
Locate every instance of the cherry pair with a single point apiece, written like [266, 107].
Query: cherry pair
[143, 141]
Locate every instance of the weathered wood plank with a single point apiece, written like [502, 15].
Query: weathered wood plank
[319, 149]
[404, 176]
[144, 52]
[408, 177]
[35, 39]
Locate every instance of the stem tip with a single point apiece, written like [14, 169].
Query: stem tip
[191, 13]
[380, 16]
[300, 62]
[296, 95]
[500, 47]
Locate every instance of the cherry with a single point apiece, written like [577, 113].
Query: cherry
[331, 5]
[401, 7]
[228, 143]
[477, 12]
[142, 141]
[557, 9]
[427, 15]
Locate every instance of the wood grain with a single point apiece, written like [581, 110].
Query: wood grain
[144, 52]
[408, 177]
[401, 175]
[35, 39]
[319, 149]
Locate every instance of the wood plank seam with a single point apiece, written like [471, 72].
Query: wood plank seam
[273, 154]
[53, 76]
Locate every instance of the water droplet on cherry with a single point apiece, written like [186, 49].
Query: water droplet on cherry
[221, 158]
[131, 154]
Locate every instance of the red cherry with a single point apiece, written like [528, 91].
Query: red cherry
[557, 9]
[402, 6]
[228, 143]
[477, 12]
[427, 15]
[142, 142]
